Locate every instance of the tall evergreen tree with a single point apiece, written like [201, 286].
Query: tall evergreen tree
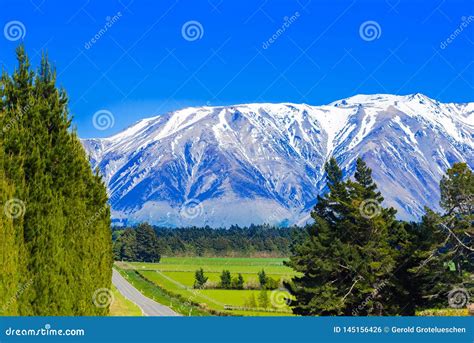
[437, 255]
[457, 200]
[346, 257]
[126, 246]
[9, 250]
[200, 278]
[64, 238]
[226, 279]
[262, 279]
[147, 244]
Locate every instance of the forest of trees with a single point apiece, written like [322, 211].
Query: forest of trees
[252, 241]
[140, 244]
[359, 260]
[55, 246]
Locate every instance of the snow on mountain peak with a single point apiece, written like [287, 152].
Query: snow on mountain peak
[267, 159]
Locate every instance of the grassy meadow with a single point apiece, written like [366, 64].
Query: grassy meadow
[175, 276]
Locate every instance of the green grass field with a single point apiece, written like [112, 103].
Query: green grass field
[217, 264]
[176, 276]
[170, 282]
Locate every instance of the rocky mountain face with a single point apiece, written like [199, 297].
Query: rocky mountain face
[263, 163]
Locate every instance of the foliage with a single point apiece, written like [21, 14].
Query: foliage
[56, 248]
[457, 199]
[346, 256]
[263, 300]
[262, 279]
[125, 246]
[226, 280]
[200, 278]
[238, 282]
[147, 244]
[252, 241]
[357, 262]
[140, 244]
[251, 301]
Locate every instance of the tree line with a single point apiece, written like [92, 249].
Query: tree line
[227, 281]
[252, 241]
[140, 244]
[55, 237]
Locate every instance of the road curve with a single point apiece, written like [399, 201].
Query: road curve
[148, 306]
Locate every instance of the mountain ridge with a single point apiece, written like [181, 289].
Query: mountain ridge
[264, 161]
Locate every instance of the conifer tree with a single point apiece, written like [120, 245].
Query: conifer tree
[200, 278]
[9, 250]
[147, 244]
[457, 200]
[238, 282]
[436, 255]
[346, 256]
[126, 245]
[262, 279]
[226, 279]
[63, 236]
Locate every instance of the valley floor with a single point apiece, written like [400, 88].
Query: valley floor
[174, 278]
[166, 288]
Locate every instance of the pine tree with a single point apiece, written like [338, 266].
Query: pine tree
[147, 244]
[200, 278]
[346, 257]
[262, 279]
[127, 245]
[427, 249]
[238, 282]
[457, 200]
[226, 279]
[263, 300]
[251, 301]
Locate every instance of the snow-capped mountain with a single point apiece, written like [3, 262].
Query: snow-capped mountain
[257, 163]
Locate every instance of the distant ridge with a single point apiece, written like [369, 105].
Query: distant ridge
[257, 163]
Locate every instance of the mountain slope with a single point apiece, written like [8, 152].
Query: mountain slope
[259, 163]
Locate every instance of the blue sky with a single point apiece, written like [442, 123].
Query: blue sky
[144, 65]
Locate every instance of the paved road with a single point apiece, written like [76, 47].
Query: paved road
[149, 307]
